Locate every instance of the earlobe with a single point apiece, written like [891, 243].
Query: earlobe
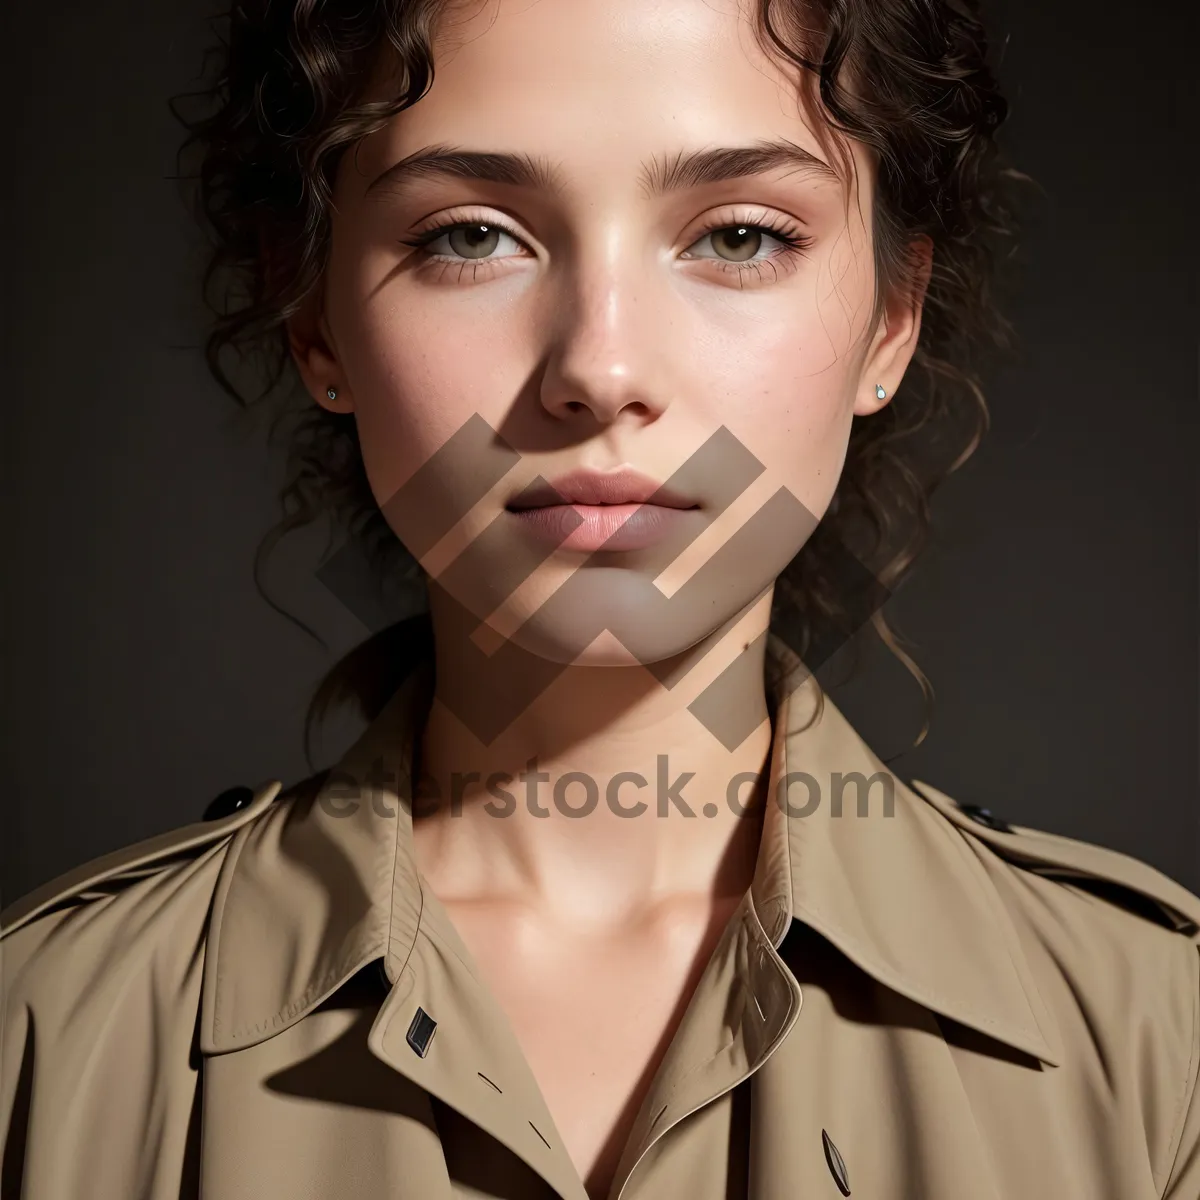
[896, 338]
[872, 401]
[311, 346]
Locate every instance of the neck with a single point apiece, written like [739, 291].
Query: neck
[534, 815]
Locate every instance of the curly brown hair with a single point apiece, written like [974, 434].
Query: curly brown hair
[909, 79]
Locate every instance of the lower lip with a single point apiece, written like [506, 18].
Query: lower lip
[605, 526]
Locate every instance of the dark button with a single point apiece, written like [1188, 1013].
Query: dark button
[420, 1032]
[985, 817]
[228, 802]
[837, 1166]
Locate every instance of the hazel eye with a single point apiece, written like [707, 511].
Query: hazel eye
[742, 242]
[749, 246]
[472, 241]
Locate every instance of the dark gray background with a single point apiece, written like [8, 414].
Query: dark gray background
[1056, 614]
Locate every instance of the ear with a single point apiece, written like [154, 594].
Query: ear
[312, 346]
[895, 339]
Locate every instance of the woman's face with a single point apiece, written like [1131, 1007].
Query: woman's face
[614, 309]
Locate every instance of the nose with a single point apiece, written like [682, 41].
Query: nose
[611, 347]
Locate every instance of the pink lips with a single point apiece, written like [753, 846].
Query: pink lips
[619, 510]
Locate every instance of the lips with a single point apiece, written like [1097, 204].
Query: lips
[585, 487]
[592, 510]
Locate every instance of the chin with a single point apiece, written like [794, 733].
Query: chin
[607, 631]
[606, 651]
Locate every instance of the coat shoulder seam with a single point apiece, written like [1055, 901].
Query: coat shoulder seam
[133, 860]
[1075, 862]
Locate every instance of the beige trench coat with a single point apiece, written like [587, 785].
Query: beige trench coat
[921, 1006]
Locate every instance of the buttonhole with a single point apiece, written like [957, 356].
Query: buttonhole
[837, 1164]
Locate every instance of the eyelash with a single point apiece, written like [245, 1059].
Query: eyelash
[793, 242]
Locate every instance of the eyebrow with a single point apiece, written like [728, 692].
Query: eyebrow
[659, 177]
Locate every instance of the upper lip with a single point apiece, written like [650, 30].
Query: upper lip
[583, 486]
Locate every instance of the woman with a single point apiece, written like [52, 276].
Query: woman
[604, 328]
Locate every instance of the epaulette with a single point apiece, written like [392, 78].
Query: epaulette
[1117, 877]
[231, 810]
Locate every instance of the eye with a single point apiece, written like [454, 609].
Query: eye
[738, 244]
[465, 241]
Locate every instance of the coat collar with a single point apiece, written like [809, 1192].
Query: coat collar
[325, 882]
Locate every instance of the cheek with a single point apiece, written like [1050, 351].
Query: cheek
[786, 385]
[416, 375]
[414, 389]
[804, 442]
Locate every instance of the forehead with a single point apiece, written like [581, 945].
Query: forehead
[596, 85]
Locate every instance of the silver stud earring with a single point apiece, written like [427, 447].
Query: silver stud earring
[331, 392]
[880, 394]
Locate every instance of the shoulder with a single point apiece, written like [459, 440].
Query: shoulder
[99, 915]
[1103, 933]
[1113, 948]
[101, 972]
[1112, 923]
[1122, 892]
